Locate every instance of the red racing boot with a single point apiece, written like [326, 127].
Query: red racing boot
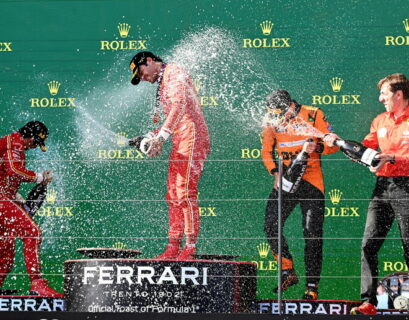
[171, 252]
[364, 308]
[187, 253]
[40, 287]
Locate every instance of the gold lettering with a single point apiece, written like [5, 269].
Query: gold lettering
[387, 266]
[286, 44]
[341, 212]
[355, 98]
[68, 211]
[250, 153]
[5, 46]
[59, 211]
[246, 42]
[316, 100]
[257, 43]
[245, 153]
[123, 45]
[142, 44]
[102, 154]
[35, 102]
[71, 102]
[104, 45]
[207, 211]
[389, 40]
[271, 266]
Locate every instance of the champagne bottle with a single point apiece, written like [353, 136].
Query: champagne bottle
[358, 152]
[294, 173]
[136, 142]
[35, 199]
[142, 143]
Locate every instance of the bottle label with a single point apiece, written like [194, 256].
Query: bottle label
[287, 185]
[368, 155]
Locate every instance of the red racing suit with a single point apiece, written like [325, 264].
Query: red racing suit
[14, 221]
[191, 145]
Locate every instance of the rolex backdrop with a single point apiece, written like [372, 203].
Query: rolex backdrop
[66, 64]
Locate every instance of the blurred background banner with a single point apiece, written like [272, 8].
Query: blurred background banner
[65, 63]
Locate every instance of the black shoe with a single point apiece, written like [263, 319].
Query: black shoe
[289, 279]
[311, 293]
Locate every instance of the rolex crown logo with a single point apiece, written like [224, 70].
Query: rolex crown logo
[197, 84]
[54, 86]
[335, 196]
[406, 24]
[336, 84]
[121, 139]
[119, 245]
[266, 27]
[124, 29]
[51, 196]
[263, 249]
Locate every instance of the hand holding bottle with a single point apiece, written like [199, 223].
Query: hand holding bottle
[47, 176]
[330, 139]
[384, 158]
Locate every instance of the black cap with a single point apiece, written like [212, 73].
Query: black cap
[137, 60]
[36, 130]
[279, 98]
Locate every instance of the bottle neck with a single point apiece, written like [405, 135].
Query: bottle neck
[340, 142]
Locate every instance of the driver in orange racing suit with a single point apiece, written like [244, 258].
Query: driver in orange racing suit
[191, 145]
[310, 194]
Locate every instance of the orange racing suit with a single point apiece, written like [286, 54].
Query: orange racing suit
[191, 145]
[310, 194]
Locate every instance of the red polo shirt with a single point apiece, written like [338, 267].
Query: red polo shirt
[391, 136]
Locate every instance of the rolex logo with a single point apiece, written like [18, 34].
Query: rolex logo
[336, 84]
[51, 196]
[121, 139]
[54, 86]
[266, 42]
[128, 44]
[266, 27]
[335, 196]
[402, 40]
[406, 24]
[335, 212]
[263, 249]
[336, 99]
[124, 29]
[119, 245]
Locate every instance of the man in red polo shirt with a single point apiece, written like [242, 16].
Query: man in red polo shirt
[390, 133]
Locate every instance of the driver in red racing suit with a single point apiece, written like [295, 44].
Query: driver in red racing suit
[191, 145]
[15, 222]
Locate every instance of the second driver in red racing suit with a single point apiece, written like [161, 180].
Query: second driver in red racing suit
[15, 222]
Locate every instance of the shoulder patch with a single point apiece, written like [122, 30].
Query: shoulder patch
[311, 108]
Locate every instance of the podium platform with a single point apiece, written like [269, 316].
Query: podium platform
[170, 286]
